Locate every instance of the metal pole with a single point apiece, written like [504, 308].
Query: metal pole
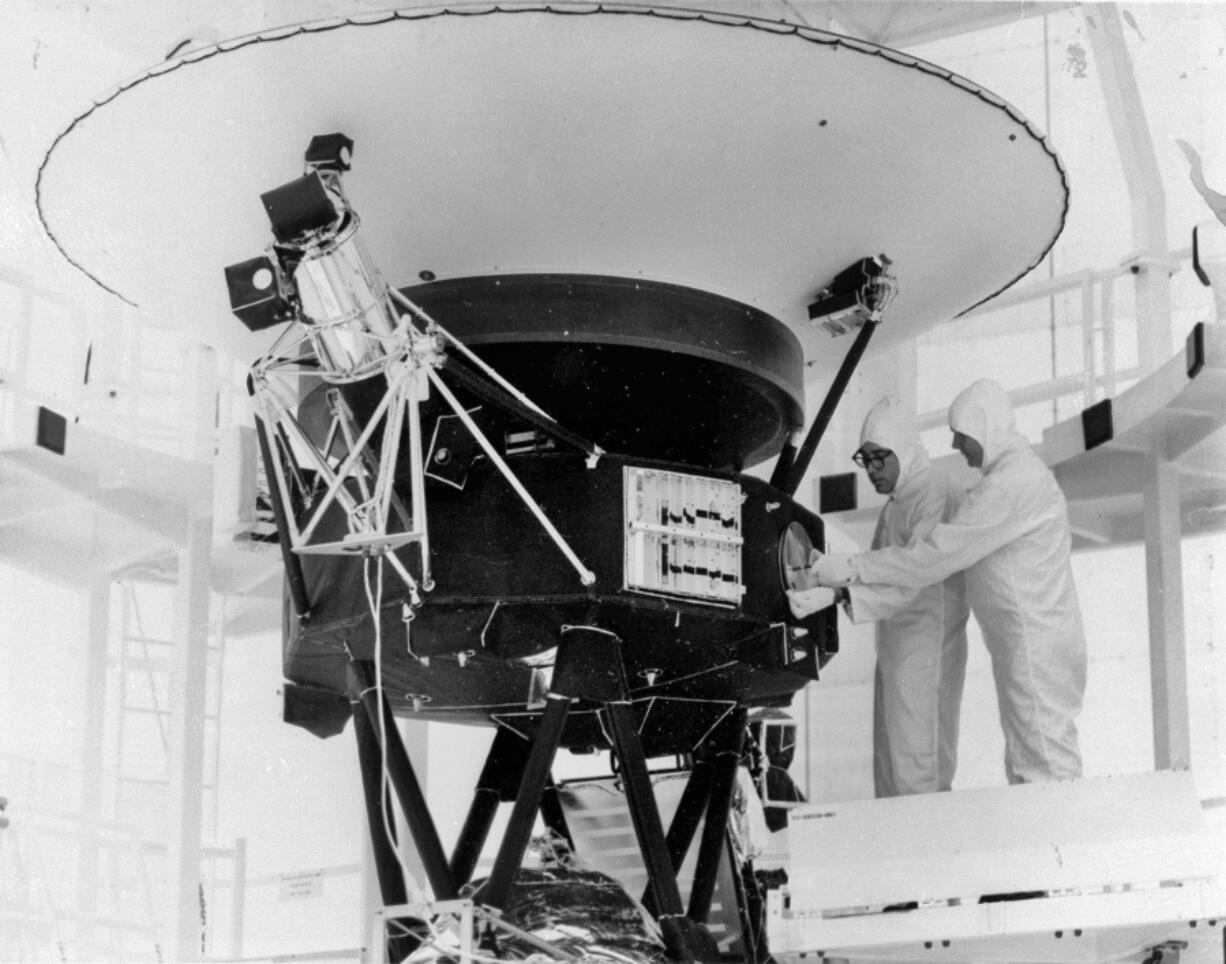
[586, 576]
[689, 812]
[644, 814]
[506, 759]
[527, 803]
[1143, 177]
[189, 664]
[686, 818]
[1168, 669]
[97, 636]
[408, 790]
[294, 578]
[238, 898]
[715, 827]
[391, 880]
[790, 482]
[553, 814]
[475, 384]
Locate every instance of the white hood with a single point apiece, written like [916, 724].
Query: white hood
[889, 425]
[983, 411]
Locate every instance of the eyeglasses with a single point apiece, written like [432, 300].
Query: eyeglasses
[873, 462]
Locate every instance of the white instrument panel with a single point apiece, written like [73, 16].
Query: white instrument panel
[683, 535]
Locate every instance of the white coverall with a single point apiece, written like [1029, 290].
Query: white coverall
[1011, 535]
[921, 632]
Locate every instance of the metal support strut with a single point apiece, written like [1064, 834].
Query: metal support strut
[686, 818]
[506, 759]
[392, 889]
[728, 741]
[788, 472]
[590, 665]
[408, 790]
[523, 815]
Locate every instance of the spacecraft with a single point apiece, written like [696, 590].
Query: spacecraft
[529, 381]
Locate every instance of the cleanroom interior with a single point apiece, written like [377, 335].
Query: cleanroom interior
[143, 597]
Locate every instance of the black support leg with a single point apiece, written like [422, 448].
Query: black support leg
[644, 814]
[391, 880]
[527, 803]
[684, 939]
[408, 790]
[554, 816]
[503, 765]
[392, 888]
[729, 742]
[686, 818]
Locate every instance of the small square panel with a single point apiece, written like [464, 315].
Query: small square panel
[837, 493]
[52, 432]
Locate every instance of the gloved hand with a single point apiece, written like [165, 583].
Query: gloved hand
[833, 569]
[806, 601]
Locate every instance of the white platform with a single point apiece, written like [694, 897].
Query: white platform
[1125, 862]
[105, 505]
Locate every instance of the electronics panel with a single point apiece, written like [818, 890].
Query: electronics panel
[683, 535]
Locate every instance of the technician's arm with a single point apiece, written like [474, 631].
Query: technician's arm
[870, 602]
[985, 521]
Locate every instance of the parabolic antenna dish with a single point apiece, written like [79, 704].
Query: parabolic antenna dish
[747, 158]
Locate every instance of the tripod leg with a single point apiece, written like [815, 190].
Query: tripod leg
[408, 790]
[527, 803]
[504, 762]
[715, 828]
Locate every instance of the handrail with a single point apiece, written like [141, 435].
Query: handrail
[1098, 333]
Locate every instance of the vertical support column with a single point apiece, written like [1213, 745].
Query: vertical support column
[1106, 307]
[238, 898]
[1141, 173]
[189, 665]
[1089, 346]
[1164, 585]
[97, 641]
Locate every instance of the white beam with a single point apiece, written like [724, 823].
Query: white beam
[1135, 146]
[1164, 586]
[189, 678]
[97, 637]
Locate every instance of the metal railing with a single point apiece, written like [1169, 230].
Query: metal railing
[1100, 376]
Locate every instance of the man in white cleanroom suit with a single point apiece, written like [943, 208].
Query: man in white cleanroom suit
[921, 632]
[1011, 535]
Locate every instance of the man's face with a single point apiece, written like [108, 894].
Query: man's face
[971, 450]
[881, 465]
